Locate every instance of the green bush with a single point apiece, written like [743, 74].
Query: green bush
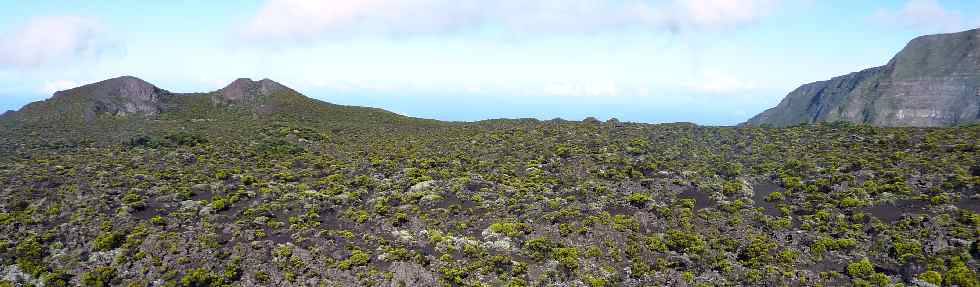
[186, 139]
[906, 250]
[681, 241]
[756, 253]
[158, 220]
[134, 200]
[56, 279]
[596, 282]
[775, 196]
[639, 200]
[200, 277]
[861, 269]
[357, 258]
[107, 241]
[567, 258]
[961, 275]
[625, 223]
[731, 187]
[511, 229]
[540, 247]
[932, 277]
[220, 204]
[100, 277]
[655, 243]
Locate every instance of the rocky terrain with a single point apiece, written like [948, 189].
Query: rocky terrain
[933, 81]
[120, 183]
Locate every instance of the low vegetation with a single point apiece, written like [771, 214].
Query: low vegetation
[380, 200]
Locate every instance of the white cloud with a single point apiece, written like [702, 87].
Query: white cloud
[46, 40]
[310, 20]
[921, 14]
[715, 13]
[58, 85]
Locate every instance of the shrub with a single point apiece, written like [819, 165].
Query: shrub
[107, 241]
[56, 279]
[906, 250]
[220, 204]
[511, 229]
[400, 218]
[562, 150]
[540, 247]
[932, 277]
[100, 277]
[29, 253]
[757, 252]
[453, 275]
[200, 277]
[775, 196]
[625, 223]
[961, 275]
[134, 200]
[731, 187]
[595, 282]
[186, 139]
[684, 241]
[792, 182]
[639, 199]
[357, 258]
[144, 141]
[688, 203]
[567, 257]
[861, 269]
[262, 277]
[826, 244]
[656, 244]
[158, 220]
[29, 247]
[849, 202]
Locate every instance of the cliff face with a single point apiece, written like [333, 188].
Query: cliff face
[933, 81]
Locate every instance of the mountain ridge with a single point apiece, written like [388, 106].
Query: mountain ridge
[131, 96]
[118, 109]
[933, 81]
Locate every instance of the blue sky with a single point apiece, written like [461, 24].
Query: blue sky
[712, 62]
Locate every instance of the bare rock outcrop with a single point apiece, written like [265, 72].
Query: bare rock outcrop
[244, 90]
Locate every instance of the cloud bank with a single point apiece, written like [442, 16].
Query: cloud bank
[49, 40]
[921, 14]
[310, 20]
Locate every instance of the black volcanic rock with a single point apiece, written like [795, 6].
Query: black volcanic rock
[933, 81]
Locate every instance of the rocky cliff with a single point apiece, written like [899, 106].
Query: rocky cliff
[933, 81]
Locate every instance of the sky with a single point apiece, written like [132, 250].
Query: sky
[711, 62]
